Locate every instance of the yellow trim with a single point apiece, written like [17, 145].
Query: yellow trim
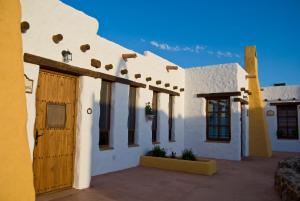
[259, 140]
[204, 167]
[16, 177]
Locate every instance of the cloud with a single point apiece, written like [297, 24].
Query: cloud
[193, 49]
[227, 54]
[177, 48]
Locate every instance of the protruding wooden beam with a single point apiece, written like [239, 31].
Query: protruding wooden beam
[137, 76]
[158, 82]
[95, 63]
[250, 76]
[243, 89]
[242, 101]
[181, 89]
[162, 90]
[129, 56]
[108, 66]
[124, 71]
[148, 79]
[167, 84]
[169, 67]
[266, 100]
[248, 92]
[261, 89]
[175, 87]
[85, 47]
[57, 38]
[24, 26]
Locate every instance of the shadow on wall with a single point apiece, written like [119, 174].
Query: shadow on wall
[119, 155]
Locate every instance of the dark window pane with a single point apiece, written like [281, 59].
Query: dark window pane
[213, 118]
[154, 121]
[171, 134]
[131, 136]
[131, 115]
[105, 107]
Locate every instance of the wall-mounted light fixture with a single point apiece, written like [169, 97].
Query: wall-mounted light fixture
[67, 56]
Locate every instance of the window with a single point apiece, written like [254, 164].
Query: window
[105, 106]
[56, 115]
[171, 134]
[218, 119]
[131, 115]
[287, 122]
[154, 121]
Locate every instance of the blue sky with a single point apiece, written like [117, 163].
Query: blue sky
[204, 32]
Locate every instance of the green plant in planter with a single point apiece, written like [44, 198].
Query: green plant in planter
[148, 109]
[158, 152]
[280, 133]
[187, 154]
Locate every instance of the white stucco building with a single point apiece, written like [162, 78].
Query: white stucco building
[283, 111]
[97, 99]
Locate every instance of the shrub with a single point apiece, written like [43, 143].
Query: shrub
[188, 154]
[148, 109]
[158, 152]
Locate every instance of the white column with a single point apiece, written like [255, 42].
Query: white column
[87, 129]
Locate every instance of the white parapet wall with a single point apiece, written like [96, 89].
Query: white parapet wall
[285, 94]
[214, 79]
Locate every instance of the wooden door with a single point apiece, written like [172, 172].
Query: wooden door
[54, 131]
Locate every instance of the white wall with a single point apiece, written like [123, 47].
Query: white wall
[212, 79]
[286, 94]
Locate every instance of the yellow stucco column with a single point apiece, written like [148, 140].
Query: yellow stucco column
[16, 177]
[259, 139]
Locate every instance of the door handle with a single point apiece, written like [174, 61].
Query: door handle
[36, 140]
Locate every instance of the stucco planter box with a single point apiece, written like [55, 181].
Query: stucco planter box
[203, 167]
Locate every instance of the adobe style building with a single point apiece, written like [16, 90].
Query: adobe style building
[86, 99]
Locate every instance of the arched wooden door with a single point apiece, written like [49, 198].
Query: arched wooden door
[54, 131]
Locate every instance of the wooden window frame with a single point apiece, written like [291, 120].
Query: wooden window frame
[286, 137]
[218, 139]
[132, 131]
[105, 132]
[171, 123]
[154, 109]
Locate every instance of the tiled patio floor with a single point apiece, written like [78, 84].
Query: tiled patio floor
[249, 180]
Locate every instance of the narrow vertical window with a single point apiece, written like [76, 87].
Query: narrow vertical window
[171, 134]
[105, 107]
[131, 115]
[154, 121]
[218, 119]
[287, 122]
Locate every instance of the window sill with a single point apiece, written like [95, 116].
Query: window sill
[171, 141]
[133, 145]
[155, 142]
[105, 148]
[218, 141]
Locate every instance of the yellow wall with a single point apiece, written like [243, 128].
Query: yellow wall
[259, 139]
[16, 177]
